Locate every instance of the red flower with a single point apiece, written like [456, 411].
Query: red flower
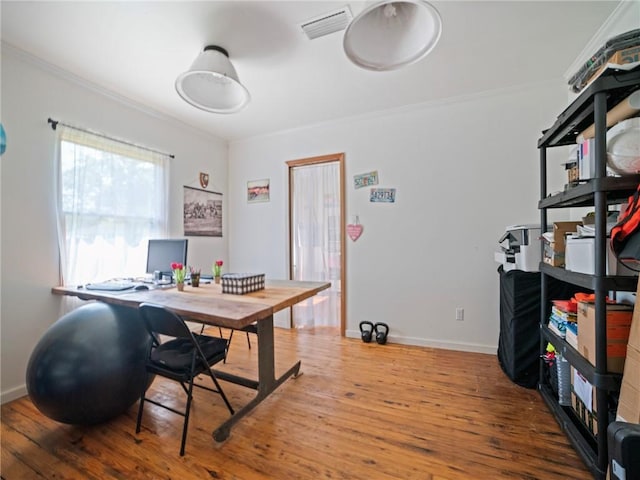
[176, 266]
[219, 263]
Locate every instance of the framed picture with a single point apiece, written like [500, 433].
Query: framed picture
[202, 213]
[258, 191]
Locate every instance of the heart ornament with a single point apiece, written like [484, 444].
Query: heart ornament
[354, 231]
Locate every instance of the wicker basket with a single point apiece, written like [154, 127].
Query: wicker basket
[241, 283]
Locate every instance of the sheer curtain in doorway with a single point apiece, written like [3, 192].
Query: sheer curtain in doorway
[316, 241]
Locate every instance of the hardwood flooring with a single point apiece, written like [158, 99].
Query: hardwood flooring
[359, 411]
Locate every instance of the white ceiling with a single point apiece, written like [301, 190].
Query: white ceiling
[137, 49]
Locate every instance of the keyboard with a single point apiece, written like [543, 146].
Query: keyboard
[110, 286]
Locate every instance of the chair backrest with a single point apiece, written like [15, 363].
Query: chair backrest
[160, 320]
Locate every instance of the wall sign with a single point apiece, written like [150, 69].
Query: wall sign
[365, 179]
[383, 195]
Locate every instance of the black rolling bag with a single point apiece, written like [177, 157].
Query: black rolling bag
[624, 450]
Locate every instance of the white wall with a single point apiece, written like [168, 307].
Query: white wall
[32, 92]
[463, 170]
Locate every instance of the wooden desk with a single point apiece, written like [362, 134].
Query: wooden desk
[207, 304]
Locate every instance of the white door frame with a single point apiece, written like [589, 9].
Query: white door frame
[335, 157]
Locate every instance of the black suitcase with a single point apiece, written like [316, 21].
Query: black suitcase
[624, 450]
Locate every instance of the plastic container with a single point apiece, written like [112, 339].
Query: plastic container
[623, 147]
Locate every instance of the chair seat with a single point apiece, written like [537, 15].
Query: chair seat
[182, 358]
[177, 354]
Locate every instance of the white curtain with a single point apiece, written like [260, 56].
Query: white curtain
[316, 241]
[112, 197]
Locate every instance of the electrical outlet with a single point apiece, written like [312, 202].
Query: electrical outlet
[460, 314]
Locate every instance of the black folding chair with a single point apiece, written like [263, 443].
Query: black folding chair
[253, 328]
[181, 358]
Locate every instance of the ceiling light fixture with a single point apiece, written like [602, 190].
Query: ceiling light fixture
[391, 34]
[212, 83]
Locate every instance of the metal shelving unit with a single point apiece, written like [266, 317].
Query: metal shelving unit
[589, 108]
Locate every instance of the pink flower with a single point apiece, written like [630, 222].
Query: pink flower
[178, 271]
[217, 268]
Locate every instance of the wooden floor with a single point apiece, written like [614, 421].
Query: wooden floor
[359, 411]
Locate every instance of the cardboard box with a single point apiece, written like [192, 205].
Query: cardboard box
[618, 330]
[629, 401]
[583, 401]
[554, 250]
[634, 334]
[621, 57]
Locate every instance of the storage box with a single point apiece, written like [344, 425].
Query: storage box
[241, 283]
[583, 401]
[580, 257]
[554, 249]
[618, 330]
[629, 401]
[634, 334]
[621, 57]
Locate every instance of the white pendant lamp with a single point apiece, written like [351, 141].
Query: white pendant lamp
[212, 83]
[388, 35]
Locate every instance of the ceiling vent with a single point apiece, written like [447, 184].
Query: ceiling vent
[327, 23]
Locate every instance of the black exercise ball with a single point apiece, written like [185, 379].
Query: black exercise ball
[89, 365]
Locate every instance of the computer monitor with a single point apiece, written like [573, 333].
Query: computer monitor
[161, 253]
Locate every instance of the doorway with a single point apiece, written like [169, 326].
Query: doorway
[317, 240]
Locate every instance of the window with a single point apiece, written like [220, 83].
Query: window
[111, 200]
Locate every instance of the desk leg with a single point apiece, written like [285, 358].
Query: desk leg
[267, 382]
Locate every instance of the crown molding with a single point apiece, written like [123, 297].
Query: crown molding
[20, 54]
[405, 109]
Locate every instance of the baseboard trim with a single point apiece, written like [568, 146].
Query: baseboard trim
[13, 394]
[425, 342]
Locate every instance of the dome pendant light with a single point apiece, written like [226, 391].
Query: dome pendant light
[391, 34]
[212, 83]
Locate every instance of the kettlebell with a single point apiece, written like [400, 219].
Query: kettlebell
[366, 333]
[382, 330]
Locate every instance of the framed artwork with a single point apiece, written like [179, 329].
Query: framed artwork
[258, 191]
[202, 213]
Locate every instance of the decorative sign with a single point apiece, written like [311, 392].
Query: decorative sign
[204, 179]
[383, 195]
[258, 191]
[365, 179]
[354, 231]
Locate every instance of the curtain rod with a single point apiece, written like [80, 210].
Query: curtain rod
[55, 123]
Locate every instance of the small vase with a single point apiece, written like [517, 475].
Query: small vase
[195, 280]
[216, 279]
[180, 286]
